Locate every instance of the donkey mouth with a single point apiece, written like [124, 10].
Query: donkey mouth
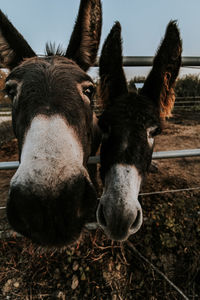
[50, 221]
[45, 226]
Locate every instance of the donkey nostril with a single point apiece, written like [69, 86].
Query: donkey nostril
[101, 216]
[137, 220]
[24, 211]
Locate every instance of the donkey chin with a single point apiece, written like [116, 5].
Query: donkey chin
[119, 212]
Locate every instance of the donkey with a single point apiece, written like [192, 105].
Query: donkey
[51, 195]
[129, 123]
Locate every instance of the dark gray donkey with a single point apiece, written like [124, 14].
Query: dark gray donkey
[129, 124]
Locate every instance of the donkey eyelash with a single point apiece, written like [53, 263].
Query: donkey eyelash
[89, 91]
[156, 131]
[12, 88]
[153, 131]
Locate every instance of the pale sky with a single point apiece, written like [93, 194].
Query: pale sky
[143, 24]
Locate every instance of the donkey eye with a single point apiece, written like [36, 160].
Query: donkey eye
[153, 131]
[11, 90]
[89, 91]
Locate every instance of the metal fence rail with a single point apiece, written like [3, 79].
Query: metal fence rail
[12, 165]
[187, 103]
[187, 61]
[147, 61]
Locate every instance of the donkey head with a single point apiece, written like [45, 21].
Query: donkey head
[129, 124]
[51, 195]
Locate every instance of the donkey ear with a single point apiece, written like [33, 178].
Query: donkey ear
[112, 77]
[85, 38]
[159, 85]
[13, 47]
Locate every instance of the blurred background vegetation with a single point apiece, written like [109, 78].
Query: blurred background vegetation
[186, 86]
[4, 100]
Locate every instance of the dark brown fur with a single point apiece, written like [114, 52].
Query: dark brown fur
[88, 28]
[128, 116]
[165, 70]
[49, 86]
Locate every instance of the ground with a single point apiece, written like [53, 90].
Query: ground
[96, 268]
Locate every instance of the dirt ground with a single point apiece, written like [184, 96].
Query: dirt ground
[96, 268]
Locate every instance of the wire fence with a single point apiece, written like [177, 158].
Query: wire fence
[185, 103]
[181, 103]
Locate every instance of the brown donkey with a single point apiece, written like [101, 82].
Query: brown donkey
[129, 124]
[51, 195]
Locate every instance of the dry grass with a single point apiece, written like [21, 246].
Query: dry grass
[97, 268]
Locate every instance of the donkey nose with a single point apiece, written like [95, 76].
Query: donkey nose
[101, 216]
[118, 224]
[137, 221]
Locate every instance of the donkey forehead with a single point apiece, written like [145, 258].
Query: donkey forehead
[133, 111]
[54, 66]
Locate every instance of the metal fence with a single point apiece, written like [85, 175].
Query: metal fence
[147, 61]
[12, 165]
[139, 61]
[187, 102]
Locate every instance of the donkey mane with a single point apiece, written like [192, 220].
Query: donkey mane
[51, 50]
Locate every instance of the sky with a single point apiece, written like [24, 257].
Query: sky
[143, 25]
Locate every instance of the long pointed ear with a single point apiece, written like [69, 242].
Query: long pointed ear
[85, 38]
[13, 47]
[112, 77]
[159, 85]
